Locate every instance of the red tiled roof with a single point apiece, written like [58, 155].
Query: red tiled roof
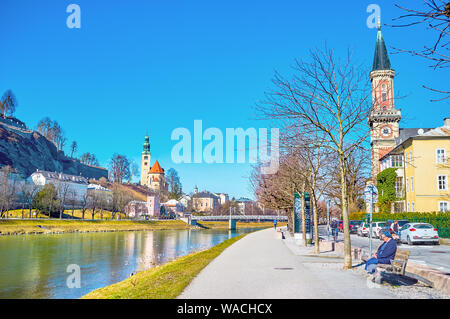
[156, 169]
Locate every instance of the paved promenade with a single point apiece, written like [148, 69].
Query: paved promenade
[261, 265]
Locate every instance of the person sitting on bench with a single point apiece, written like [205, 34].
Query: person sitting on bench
[385, 253]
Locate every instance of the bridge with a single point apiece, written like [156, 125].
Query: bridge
[232, 219]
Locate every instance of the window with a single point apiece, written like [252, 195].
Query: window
[407, 207]
[442, 183]
[396, 161]
[383, 93]
[443, 207]
[399, 186]
[406, 160]
[412, 207]
[412, 184]
[410, 158]
[440, 156]
[407, 186]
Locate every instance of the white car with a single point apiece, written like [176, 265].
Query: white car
[363, 230]
[376, 227]
[412, 233]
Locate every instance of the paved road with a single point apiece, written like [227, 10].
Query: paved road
[433, 256]
[263, 266]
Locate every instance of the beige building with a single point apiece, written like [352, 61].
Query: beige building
[205, 201]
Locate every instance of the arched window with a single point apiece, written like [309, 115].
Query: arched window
[384, 93]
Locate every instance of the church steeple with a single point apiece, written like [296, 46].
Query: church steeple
[145, 162]
[146, 149]
[381, 57]
[384, 117]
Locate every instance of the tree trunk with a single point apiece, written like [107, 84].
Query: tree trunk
[316, 225]
[344, 202]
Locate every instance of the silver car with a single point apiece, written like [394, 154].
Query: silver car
[412, 233]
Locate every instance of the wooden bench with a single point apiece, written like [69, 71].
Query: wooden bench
[398, 267]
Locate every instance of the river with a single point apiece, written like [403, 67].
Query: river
[36, 266]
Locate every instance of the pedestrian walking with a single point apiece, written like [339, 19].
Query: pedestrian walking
[275, 223]
[334, 229]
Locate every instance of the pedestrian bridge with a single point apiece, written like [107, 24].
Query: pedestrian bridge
[232, 219]
[241, 218]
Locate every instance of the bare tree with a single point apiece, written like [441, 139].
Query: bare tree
[63, 190]
[73, 148]
[120, 168]
[332, 97]
[8, 103]
[9, 189]
[435, 14]
[27, 192]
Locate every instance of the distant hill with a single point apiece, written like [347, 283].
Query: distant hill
[27, 150]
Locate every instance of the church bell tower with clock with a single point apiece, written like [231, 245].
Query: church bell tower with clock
[384, 118]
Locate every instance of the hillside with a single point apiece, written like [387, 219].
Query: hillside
[26, 151]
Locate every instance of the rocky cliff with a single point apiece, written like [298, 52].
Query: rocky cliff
[27, 151]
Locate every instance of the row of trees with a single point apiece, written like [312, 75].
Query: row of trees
[322, 112]
[54, 198]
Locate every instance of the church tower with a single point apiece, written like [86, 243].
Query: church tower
[384, 118]
[145, 163]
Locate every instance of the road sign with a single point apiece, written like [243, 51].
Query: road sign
[370, 194]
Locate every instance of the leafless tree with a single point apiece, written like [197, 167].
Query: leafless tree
[435, 15]
[63, 190]
[8, 103]
[331, 96]
[9, 189]
[27, 192]
[119, 168]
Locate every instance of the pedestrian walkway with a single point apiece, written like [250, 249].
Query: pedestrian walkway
[262, 266]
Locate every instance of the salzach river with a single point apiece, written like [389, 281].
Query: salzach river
[35, 266]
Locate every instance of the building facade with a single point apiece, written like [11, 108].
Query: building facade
[423, 170]
[205, 201]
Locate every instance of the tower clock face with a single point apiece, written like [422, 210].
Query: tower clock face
[386, 131]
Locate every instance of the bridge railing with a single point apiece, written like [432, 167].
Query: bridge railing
[240, 217]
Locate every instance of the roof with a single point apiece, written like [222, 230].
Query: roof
[381, 57]
[414, 133]
[63, 177]
[205, 195]
[406, 133]
[156, 169]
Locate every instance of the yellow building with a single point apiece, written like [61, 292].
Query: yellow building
[423, 169]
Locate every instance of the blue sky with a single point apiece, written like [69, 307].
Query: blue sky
[153, 66]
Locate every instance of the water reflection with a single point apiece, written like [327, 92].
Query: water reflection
[34, 266]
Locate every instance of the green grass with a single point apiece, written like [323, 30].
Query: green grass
[17, 227]
[163, 282]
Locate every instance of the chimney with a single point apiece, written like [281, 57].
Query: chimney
[447, 121]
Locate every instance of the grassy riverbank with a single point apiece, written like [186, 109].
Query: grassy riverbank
[224, 225]
[163, 282]
[17, 227]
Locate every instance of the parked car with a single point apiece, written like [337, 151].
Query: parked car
[390, 223]
[341, 226]
[412, 233]
[376, 228]
[363, 229]
[354, 225]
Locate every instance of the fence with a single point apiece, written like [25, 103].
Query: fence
[442, 224]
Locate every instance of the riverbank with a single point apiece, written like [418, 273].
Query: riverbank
[27, 227]
[163, 282]
[224, 225]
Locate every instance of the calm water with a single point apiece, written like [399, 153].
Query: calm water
[34, 266]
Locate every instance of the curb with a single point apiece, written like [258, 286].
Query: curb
[440, 279]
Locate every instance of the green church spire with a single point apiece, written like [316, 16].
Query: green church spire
[381, 58]
[146, 145]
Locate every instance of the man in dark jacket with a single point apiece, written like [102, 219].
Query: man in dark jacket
[384, 254]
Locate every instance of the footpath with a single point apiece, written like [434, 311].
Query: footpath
[264, 266]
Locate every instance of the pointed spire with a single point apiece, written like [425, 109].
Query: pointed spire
[146, 145]
[381, 58]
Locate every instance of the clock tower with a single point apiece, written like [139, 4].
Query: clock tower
[384, 118]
